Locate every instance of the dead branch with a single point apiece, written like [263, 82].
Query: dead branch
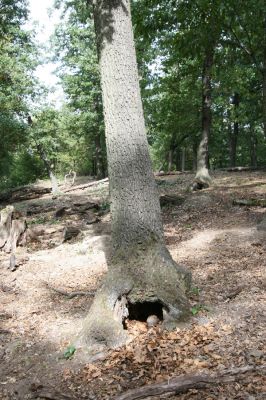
[51, 395]
[181, 384]
[69, 295]
[86, 185]
[250, 202]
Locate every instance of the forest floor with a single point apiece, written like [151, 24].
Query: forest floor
[221, 243]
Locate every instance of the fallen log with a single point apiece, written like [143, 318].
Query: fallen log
[23, 193]
[86, 185]
[240, 169]
[182, 384]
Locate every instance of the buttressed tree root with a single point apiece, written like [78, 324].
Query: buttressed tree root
[150, 283]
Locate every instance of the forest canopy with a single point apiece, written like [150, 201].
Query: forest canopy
[185, 50]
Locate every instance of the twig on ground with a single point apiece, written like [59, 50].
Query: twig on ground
[181, 384]
[69, 295]
[49, 395]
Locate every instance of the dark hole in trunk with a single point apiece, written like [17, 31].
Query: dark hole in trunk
[141, 311]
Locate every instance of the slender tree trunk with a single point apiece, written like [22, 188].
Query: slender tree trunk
[183, 159]
[264, 78]
[142, 277]
[100, 148]
[49, 169]
[194, 150]
[98, 158]
[170, 160]
[264, 91]
[253, 147]
[203, 179]
[177, 159]
[233, 135]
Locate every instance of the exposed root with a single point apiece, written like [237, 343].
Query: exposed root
[69, 295]
[152, 282]
[202, 180]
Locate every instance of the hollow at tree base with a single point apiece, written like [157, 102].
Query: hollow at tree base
[148, 283]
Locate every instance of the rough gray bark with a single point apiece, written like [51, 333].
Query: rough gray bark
[141, 269]
[203, 179]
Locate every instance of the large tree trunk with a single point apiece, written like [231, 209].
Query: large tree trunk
[203, 179]
[142, 279]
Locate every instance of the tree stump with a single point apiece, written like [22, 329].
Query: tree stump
[12, 230]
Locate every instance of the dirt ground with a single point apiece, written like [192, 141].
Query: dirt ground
[221, 243]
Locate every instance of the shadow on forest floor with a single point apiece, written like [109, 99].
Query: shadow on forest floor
[219, 242]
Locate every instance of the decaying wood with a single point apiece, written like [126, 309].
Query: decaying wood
[70, 232]
[69, 295]
[11, 232]
[72, 174]
[50, 394]
[182, 384]
[5, 225]
[86, 185]
[23, 193]
[250, 202]
[170, 200]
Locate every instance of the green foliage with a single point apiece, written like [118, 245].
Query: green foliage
[195, 290]
[172, 38]
[70, 351]
[75, 45]
[197, 308]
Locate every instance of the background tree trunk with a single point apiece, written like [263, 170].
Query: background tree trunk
[264, 79]
[183, 159]
[142, 271]
[203, 179]
[253, 148]
[233, 135]
[170, 160]
[49, 169]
